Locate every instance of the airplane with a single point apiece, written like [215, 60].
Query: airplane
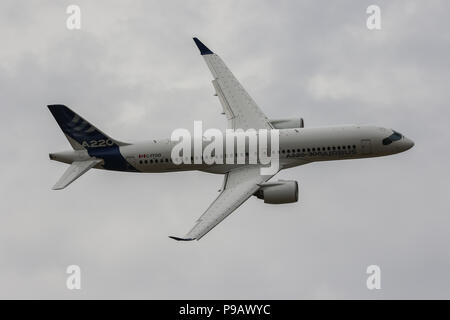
[298, 145]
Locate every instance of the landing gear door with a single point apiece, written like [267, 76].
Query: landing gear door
[366, 146]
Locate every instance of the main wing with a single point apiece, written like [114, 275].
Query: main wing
[239, 185]
[240, 109]
[242, 113]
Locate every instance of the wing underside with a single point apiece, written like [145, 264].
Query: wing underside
[242, 113]
[241, 110]
[239, 185]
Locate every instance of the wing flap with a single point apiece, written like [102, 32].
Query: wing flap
[223, 101]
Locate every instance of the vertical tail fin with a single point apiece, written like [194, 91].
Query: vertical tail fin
[80, 133]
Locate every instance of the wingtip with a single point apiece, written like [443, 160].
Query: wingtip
[50, 106]
[181, 239]
[203, 49]
[57, 107]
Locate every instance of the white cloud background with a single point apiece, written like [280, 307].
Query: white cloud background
[134, 71]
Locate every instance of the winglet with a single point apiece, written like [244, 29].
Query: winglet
[181, 239]
[203, 49]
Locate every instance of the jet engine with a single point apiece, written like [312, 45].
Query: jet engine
[281, 191]
[292, 123]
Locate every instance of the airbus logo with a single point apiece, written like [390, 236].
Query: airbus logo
[97, 143]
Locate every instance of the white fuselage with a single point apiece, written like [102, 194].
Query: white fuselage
[296, 146]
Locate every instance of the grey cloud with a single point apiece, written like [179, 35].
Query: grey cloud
[134, 71]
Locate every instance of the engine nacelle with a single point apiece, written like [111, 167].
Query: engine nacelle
[281, 191]
[287, 123]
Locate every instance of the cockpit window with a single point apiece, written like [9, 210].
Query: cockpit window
[393, 137]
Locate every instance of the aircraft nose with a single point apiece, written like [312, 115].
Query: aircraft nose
[408, 143]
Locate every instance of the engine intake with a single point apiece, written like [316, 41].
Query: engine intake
[281, 191]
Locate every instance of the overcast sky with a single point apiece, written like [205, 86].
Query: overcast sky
[134, 71]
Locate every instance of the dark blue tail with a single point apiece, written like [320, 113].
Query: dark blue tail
[80, 133]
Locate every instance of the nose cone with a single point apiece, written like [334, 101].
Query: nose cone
[407, 144]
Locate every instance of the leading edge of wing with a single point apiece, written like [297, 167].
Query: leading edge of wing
[204, 50]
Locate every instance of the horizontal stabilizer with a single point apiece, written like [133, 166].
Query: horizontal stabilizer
[76, 170]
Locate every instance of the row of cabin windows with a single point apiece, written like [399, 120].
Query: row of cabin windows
[333, 148]
[170, 160]
[154, 161]
[320, 149]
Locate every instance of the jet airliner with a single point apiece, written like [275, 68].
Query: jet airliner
[298, 145]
